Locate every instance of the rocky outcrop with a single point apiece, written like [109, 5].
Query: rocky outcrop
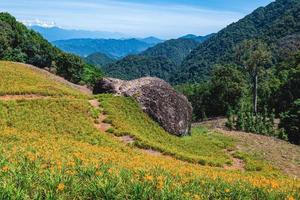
[157, 98]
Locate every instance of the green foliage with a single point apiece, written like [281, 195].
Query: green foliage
[175, 50]
[99, 59]
[227, 86]
[243, 119]
[290, 121]
[160, 61]
[202, 147]
[17, 43]
[137, 66]
[269, 24]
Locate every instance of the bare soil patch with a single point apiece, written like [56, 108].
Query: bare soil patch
[281, 154]
[126, 139]
[99, 124]
[237, 164]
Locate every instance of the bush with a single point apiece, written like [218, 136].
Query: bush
[290, 121]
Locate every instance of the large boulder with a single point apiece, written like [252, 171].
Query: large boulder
[157, 98]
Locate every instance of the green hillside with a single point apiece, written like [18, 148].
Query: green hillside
[175, 50]
[51, 148]
[137, 66]
[160, 61]
[270, 24]
[99, 59]
[17, 43]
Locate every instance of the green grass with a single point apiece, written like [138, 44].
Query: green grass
[203, 146]
[17, 79]
[50, 149]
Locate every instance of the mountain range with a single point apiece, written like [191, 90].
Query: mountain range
[265, 23]
[111, 47]
[57, 33]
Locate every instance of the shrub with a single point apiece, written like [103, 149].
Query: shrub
[290, 121]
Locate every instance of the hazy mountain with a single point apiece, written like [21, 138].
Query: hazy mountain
[198, 38]
[113, 47]
[56, 33]
[151, 40]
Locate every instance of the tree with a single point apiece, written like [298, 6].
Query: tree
[228, 86]
[253, 55]
[290, 121]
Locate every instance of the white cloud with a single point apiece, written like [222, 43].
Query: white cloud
[38, 22]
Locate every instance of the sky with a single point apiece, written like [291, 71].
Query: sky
[137, 18]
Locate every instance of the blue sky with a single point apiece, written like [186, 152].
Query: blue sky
[138, 18]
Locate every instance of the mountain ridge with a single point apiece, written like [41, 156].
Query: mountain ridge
[264, 23]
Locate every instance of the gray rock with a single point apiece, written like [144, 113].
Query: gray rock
[157, 98]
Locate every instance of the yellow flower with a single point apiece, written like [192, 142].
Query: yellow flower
[291, 198]
[227, 190]
[70, 172]
[44, 166]
[98, 173]
[71, 164]
[5, 168]
[61, 187]
[149, 178]
[196, 197]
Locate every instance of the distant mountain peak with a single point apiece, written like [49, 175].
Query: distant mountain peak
[53, 33]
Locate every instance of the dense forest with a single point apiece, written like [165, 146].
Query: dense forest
[136, 66]
[270, 24]
[175, 50]
[17, 43]
[99, 59]
[228, 92]
[160, 61]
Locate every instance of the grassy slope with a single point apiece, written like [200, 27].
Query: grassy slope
[50, 149]
[20, 79]
[202, 147]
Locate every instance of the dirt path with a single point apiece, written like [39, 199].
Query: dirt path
[103, 127]
[237, 164]
[279, 153]
[99, 124]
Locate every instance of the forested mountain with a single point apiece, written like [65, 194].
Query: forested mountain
[99, 59]
[270, 24]
[136, 66]
[198, 38]
[56, 33]
[175, 50]
[17, 43]
[160, 61]
[116, 48]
